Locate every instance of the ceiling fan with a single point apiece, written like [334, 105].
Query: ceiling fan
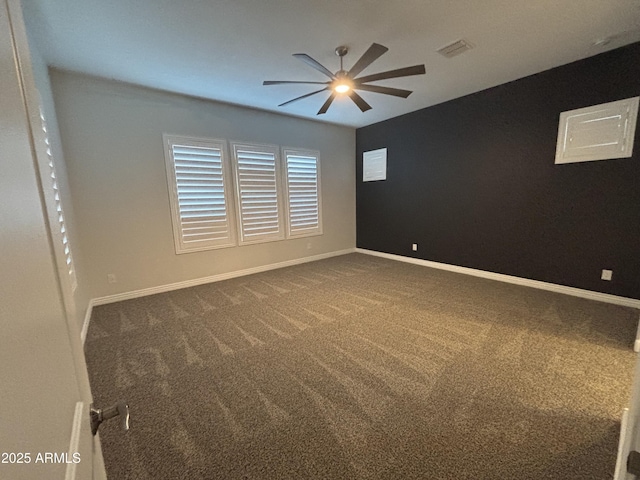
[347, 82]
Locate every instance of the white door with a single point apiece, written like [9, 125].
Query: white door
[44, 389]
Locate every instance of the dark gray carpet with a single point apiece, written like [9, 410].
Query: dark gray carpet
[358, 367]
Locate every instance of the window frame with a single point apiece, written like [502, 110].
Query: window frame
[301, 152]
[236, 146]
[169, 140]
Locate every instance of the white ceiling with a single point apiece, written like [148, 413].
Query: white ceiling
[224, 49]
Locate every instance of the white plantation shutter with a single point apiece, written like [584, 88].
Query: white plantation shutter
[303, 192]
[62, 227]
[198, 181]
[258, 190]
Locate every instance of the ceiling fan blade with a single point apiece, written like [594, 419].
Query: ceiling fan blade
[359, 101]
[327, 104]
[315, 64]
[396, 92]
[281, 82]
[401, 72]
[372, 54]
[303, 96]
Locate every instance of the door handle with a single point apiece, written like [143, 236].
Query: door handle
[99, 415]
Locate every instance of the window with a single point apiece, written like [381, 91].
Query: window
[258, 193]
[303, 192]
[253, 195]
[599, 132]
[68, 258]
[198, 177]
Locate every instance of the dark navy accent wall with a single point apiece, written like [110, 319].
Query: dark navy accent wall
[473, 182]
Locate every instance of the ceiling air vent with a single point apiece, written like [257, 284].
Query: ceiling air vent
[456, 48]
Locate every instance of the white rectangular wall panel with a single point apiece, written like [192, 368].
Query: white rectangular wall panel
[600, 132]
[374, 165]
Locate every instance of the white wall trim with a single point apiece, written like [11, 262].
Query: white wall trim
[85, 322]
[636, 345]
[624, 446]
[552, 287]
[213, 278]
[75, 441]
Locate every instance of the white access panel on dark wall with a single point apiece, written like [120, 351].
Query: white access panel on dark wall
[374, 165]
[599, 132]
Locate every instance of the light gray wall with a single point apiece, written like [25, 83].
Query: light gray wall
[112, 139]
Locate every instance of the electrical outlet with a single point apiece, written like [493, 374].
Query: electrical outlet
[111, 278]
[308, 245]
[607, 275]
[414, 247]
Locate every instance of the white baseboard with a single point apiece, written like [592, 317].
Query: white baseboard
[623, 447]
[85, 322]
[200, 281]
[576, 292]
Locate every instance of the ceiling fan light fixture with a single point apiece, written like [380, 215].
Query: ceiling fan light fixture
[342, 83]
[342, 87]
